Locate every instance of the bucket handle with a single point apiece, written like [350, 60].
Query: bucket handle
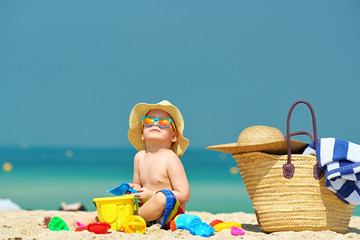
[289, 168]
[136, 205]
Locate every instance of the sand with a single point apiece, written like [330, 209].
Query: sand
[25, 224]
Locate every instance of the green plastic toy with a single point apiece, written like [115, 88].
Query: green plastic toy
[57, 224]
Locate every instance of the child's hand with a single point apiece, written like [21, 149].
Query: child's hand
[144, 194]
[135, 186]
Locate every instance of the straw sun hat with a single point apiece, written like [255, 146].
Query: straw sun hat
[135, 126]
[260, 139]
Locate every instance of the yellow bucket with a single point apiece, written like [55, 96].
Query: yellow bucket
[115, 210]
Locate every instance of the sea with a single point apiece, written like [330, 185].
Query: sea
[43, 177]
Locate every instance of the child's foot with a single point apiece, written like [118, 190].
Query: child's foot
[46, 221]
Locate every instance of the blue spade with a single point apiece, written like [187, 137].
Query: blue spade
[122, 189]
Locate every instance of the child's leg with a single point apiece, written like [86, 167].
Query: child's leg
[154, 208]
[71, 222]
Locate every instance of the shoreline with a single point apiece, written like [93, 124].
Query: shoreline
[27, 224]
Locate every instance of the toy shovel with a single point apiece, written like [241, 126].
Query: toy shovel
[122, 189]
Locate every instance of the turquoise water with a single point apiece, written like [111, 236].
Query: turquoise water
[42, 178]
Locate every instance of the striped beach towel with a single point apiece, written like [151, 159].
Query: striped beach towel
[340, 160]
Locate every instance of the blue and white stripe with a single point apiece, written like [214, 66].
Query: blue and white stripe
[340, 160]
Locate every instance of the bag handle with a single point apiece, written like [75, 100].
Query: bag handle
[289, 168]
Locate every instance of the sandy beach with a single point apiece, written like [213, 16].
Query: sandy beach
[26, 224]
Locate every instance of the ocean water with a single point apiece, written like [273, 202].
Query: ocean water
[42, 178]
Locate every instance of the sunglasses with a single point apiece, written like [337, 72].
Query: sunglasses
[161, 122]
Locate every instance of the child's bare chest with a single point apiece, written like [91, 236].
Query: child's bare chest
[153, 173]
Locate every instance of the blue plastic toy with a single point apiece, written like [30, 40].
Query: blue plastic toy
[193, 224]
[183, 221]
[201, 229]
[122, 189]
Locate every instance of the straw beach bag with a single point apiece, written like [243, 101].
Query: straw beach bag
[288, 192]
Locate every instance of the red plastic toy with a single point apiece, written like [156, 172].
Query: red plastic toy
[96, 227]
[216, 221]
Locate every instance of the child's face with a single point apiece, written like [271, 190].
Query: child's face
[155, 132]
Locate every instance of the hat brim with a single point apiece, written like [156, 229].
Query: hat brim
[279, 147]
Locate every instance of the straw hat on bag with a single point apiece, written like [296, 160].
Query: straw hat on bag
[135, 126]
[260, 139]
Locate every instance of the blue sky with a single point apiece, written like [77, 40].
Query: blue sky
[71, 71]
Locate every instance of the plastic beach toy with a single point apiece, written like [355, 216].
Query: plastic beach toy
[57, 224]
[122, 189]
[235, 231]
[99, 227]
[226, 225]
[116, 210]
[81, 227]
[95, 227]
[216, 221]
[135, 224]
[183, 221]
[80, 224]
[193, 224]
[201, 229]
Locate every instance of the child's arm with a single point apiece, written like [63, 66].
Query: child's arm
[136, 184]
[178, 180]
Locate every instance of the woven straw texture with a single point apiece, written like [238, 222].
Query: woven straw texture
[296, 204]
